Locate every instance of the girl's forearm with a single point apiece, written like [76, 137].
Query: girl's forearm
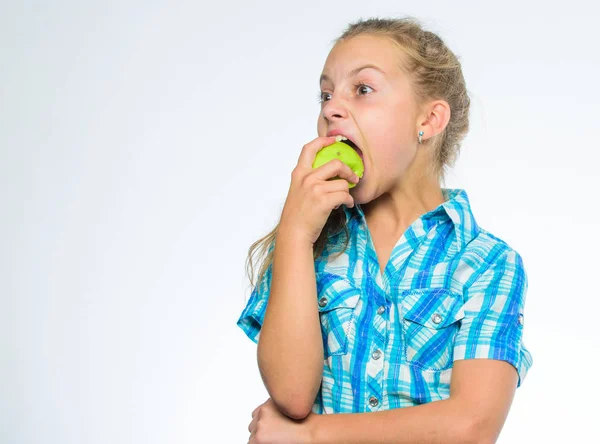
[440, 422]
[290, 346]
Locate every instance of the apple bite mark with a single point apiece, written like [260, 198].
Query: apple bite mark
[344, 152]
[351, 143]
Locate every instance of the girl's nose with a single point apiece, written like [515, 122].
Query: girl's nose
[334, 109]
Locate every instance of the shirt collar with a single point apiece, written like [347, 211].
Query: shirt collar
[456, 209]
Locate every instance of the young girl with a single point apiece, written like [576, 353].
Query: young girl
[377, 300]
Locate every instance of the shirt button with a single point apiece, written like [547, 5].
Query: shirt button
[380, 310]
[521, 321]
[436, 318]
[376, 354]
[373, 401]
[323, 301]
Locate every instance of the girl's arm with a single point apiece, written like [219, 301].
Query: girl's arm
[290, 347]
[482, 391]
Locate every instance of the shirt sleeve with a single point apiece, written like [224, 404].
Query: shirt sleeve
[251, 319]
[493, 324]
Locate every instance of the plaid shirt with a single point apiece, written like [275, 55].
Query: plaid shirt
[450, 291]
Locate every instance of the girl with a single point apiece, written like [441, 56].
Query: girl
[378, 300]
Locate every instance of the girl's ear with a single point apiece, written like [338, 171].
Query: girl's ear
[434, 119]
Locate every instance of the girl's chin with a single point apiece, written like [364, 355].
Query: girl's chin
[357, 191]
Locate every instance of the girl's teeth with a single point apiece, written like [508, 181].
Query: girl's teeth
[339, 138]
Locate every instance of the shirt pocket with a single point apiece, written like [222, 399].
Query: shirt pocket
[430, 321]
[337, 301]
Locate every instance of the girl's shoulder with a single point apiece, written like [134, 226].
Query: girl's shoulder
[490, 248]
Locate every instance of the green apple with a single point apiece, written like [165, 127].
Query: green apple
[344, 152]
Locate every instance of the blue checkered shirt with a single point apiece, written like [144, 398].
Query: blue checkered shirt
[450, 291]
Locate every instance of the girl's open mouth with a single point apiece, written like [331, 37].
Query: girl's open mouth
[357, 149]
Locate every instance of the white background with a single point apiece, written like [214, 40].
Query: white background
[145, 145]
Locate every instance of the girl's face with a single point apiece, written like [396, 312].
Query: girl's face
[374, 106]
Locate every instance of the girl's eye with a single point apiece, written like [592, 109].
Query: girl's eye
[358, 86]
[362, 85]
[320, 98]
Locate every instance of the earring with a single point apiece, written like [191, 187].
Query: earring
[421, 136]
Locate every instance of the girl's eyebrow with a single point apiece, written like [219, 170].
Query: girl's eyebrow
[324, 77]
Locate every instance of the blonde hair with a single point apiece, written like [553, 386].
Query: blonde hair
[435, 73]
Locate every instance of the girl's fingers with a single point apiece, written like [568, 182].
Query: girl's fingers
[334, 168]
[252, 426]
[340, 197]
[333, 185]
[310, 150]
[258, 408]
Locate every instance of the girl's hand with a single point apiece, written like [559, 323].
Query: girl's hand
[270, 426]
[311, 196]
